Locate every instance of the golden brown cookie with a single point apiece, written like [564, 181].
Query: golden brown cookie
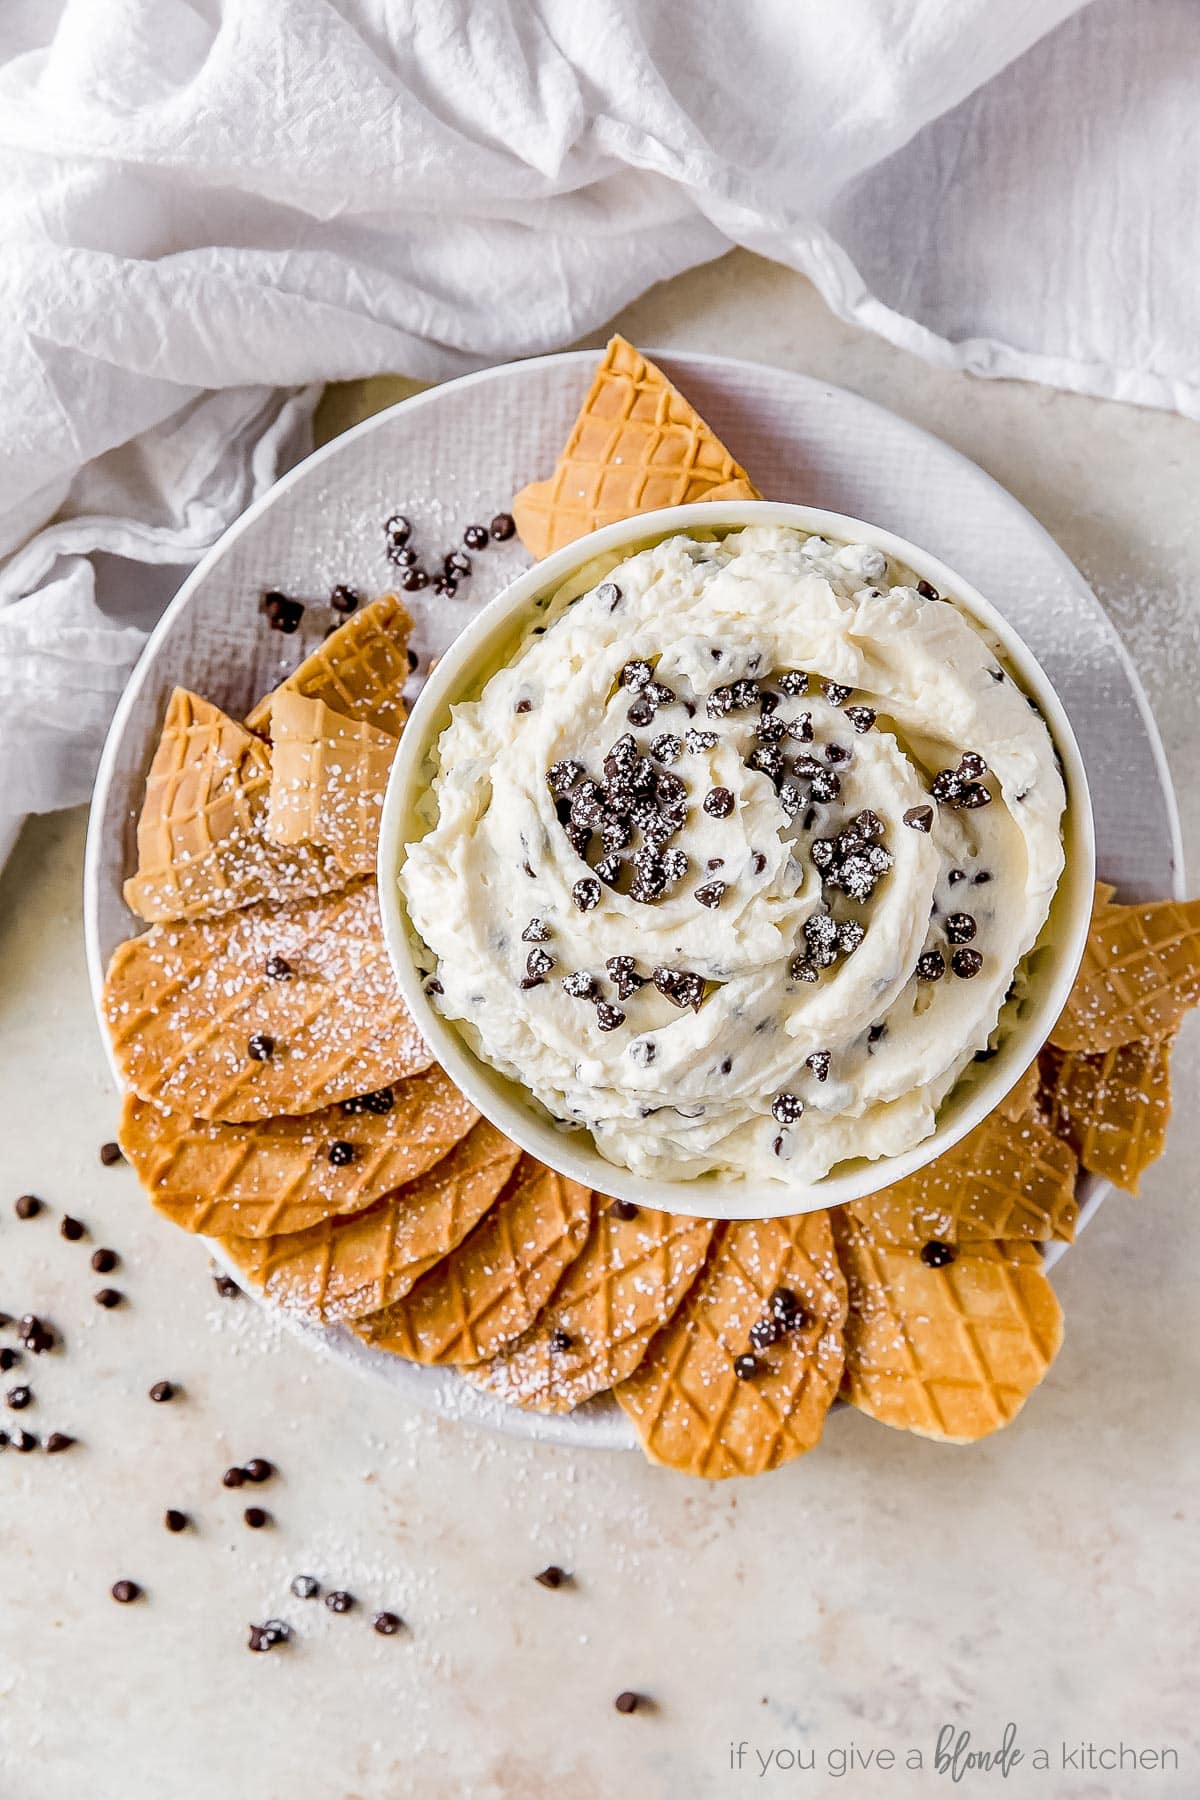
[1140, 974]
[1113, 1109]
[328, 778]
[359, 670]
[691, 1408]
[347, 1267]
[200, 1023]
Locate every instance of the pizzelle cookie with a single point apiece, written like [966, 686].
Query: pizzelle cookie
[271, 1010]
[1010, 1177]
[276, 1175]
[490, 1288]
[1113, 1109]
[950, 1347]
[347, 1267]
[201, 842]
[1140, 974]
[359, 670]
[632, 1274]
[771, 1292]
[636, 445]
[328, 778]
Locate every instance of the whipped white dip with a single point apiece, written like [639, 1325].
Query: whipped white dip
[817, 901]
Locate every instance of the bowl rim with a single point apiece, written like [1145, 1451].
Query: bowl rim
[573, 1154]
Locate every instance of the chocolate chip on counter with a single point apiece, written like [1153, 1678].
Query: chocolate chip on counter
[445, 587]
[960, 928]
[341, 1153]
[536, 932]
[9, 1359]
[174, 1520]
[764, 1333]
[414, 579]
[919, 818]
[71, 1229]
[104, 1261]
[281, 612]
[305, 1587]
[256, 1518]
[111, 1154]
[608, 1017]
[503, 526]
[475, 537]
[402, 555]
[936, 1255]
[625, 1210]
[339, 1601]
[551, 1576]
[125, 1591]
[278, 968]
[586, 893]
[786, 1108]
[57, 1442]
[28, 1206]
[162, 1390]
[260, 1046]
[559, 1340]
[233, 1478]
[36, 1335]
[819, 1062]
[927, 591]
[24, 1441]
[966, 963]
[931, 965]
[19, 1398]
[627, 1702]
[745, 1367]
[109, 1297]
[225, 1285]
[263, 1638]
[718, 802]
[387, 1624]
[258, 1469]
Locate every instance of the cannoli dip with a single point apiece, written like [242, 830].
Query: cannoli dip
[735, 861]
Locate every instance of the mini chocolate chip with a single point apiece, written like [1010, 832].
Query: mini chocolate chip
[258, 1469]
[971, 765]
[680, 986]
[445, 587]
[175, 1521]
[712, 893]
[523, 706]
[955, 876]
[609, 594]
[586, 893]
[625, 1210]
[281, 613]
[931, 965]
[125, 1591]
[960, 928]
[975, 795]
[640, 712]
[983, 876]
[9, 1358]
[457, 564]
[927, 591]
[380, 1102]
[536, 932]
[19, 1398]
[786, 1108]
[104, 1261]
[434, 986]
[608, 1017]
[764, 1333]
[28, 1206]
[71, 1229]
[793, 681]
[414, 579]
[551, 1576]
[234, 1477]
[341, 1154]
[344, 599]
[279, 968]
[835, 693]
[339, 1601]
[718, 802]
[819, 1062]
[539, 963]
[758, 862]
[397, 529]
[502, 527]
[24, 1441]
[559, 1340]
[580, 985]
[475, 537]
[966, 963]
[111, 1154]
[57, 1442]
[162, 1390]
[414, 661]
[919, 818]
[745, 1367]
[387, 1624]
[861, 717]
[305, 1587]
[401, 555]
[627, 1702]
[225, 1285]
[936, 1255]
[36, 1335]
[260, 1639]
[256, 1518]
[261, 1046]
[109, 1297]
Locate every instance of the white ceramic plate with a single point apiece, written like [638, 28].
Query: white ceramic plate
[453, 456]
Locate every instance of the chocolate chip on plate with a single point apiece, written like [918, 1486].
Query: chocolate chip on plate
[24, 1441]
[305, 1587]
[125, 1591]
[475, 537]
[503, 526]
[162, 1391]
[551, 1576]
[108, 1297]
[225, 1285]
[627, 1702]
[234, 1477]
[397, 529]
[260, 1046]
[175, 1520]
[19, 1398]
[457, 564]
[339, 1601]
[9, 1358]
[819, 1062]
[344, 600]
[57, 1442]
[256, 1517]
[387, 1624]
[414, 579]
[258, 1469]
[281, 612]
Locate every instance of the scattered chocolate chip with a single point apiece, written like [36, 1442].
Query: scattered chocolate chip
[233, 1478]
[36, 1335]
[19, 1398]
[527, 983]
[305, 1587]
[927, 591]
[475, 537]
[387, 1624]
[764, 1333]
[278, 968]
[265, 1637]
[745, 1367]
[538, 964]
[718, 802]
[551, 1577]
[401, 555]
[667, 749]
[380, 1102]
[861, 717]
[608, 1017]
[503, 526]
[28, 1206]
[835, 693]
[936, 1255]
[111, 1154]
[680, 986]
[397, 529]
[565, 775]
[125, 1591]
[109, 1297]
[174, 1520]
[712, 893]
[536, 932]
[719, 702]
[580, 985]
[341, 1154]
[767, 760]
[57, 1442]
[225, 1285]
[627, 1702]
[344, 600]
[625, 1210]
[24, 1441]
[825, 787]
[339, 1601]
[71, 1229]
[256, 1518]
[960, 928]
[260, 1047]
[586, 893]
[786, 1108]
[919, 818]
[281, 613]
[162, 1391]
[931, 965]
[966, 963]
[104, 1261]
[258, 1469]
[414, 579]
[9, 1358]
[819, 1062]
[445, 587]
[457, 564]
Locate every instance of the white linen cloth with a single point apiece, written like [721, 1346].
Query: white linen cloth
[209, 206]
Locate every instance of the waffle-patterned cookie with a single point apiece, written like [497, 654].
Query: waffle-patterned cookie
[1113, 1109]
[359, 670]
[1139, 976]
[328, 778]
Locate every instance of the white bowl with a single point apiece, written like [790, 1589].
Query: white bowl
[484, 646]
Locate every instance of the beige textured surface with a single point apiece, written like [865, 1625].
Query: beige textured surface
[328, 778]
[359, 671]
[843, 1600]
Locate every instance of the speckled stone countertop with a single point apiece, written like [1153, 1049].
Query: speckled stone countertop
[867, 1597]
